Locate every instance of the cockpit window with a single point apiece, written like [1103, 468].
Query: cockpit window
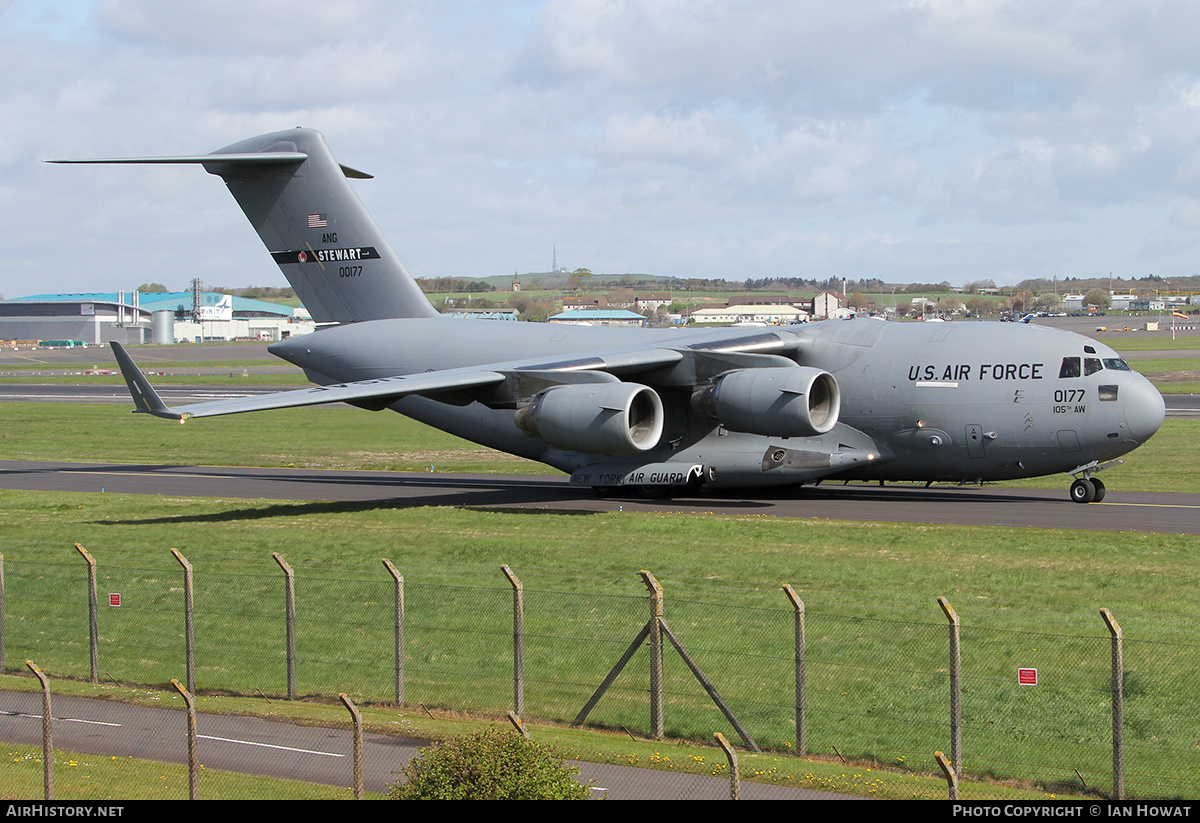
[1071, 366]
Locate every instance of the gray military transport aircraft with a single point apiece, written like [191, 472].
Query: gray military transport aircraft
[648, 412]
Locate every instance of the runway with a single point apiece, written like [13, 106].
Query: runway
[951, 505]
[113, 393]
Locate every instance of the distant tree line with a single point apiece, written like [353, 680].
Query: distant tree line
[441, 285]
[258, 292]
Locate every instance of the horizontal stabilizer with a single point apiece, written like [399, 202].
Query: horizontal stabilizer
[278, 158]
[251, 158]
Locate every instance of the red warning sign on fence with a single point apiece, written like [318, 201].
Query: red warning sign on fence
[114, 600]
[1027, 677]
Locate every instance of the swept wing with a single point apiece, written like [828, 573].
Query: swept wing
[596, 368]
[685, 363]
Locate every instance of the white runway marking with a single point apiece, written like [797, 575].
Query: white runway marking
[267, 745]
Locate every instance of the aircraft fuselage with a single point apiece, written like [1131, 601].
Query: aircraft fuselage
[959, 401]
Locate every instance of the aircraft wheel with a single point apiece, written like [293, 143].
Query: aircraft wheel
[602, 491]
[1083, 491]
[653, 492]
[1099, 484]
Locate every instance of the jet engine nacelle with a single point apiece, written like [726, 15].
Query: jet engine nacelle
[777, 402]
[597, 418]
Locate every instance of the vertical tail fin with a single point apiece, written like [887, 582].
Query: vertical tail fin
[296, 196]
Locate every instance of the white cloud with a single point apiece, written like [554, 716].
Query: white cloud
[699, 139]
[989, 138]
[239, 27]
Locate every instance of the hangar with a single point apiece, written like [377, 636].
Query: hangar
[599, 317]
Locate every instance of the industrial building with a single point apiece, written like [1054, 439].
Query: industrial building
[770, 314]
[135, 318]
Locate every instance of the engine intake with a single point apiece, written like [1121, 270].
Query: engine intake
[778, 402]
[597, 418]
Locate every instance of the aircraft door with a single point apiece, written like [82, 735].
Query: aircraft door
[1068, 440]
[975, 440]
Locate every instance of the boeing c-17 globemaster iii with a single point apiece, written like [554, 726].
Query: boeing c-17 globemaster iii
[646, 412]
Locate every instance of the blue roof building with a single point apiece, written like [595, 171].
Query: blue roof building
[600, 317]
[134, 318]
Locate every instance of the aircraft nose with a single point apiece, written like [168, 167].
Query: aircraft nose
[1144, 410]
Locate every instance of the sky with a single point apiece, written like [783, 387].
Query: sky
[909, 140]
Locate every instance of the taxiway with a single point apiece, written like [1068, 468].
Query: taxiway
[306, 489]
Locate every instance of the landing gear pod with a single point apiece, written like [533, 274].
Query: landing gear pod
[777, 402]
[648, 481]
[597, 418]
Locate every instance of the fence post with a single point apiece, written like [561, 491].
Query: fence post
[193, 750]
[955, 686]
[358, 745]
[47, 735]
[518, 724]
[951, 776]
[290, 586]
[735, 777]
[189, 639]
[1118, 704]
[93, 627]
[2, 657]
[800, 653]
[656, 654]
[399, 631]
[518, 641]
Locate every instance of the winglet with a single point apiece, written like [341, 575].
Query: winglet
[144, 396]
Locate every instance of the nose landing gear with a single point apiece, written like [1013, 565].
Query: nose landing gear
[1087, 488]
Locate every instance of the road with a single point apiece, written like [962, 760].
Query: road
[314, 754]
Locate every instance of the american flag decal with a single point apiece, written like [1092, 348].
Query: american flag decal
[317, 221]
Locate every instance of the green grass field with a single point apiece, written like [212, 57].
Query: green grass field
[93, 778]
[877, 640]
[336, 437]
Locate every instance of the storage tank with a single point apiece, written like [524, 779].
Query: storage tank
[162, 325]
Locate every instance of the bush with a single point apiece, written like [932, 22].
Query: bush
[496, 764]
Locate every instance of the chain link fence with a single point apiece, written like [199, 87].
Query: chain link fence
[1012, 695]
